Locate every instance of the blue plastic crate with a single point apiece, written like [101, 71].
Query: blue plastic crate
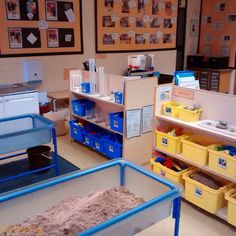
[118, 97]
[113, 146]
[79, 106]
[76, 131]
[99, 142]
[116, 121]
[85, 87]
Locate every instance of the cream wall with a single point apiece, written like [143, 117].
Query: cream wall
[193, 13]
[11, 68]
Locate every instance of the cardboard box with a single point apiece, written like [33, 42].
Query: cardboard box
[59, 118]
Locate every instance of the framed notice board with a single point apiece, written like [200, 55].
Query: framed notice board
[135, 25]
[218, 29]
[38, 27]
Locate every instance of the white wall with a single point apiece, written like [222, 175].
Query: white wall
[11, 68]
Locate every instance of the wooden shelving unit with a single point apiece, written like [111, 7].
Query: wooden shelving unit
[214, 108]
[138, 93]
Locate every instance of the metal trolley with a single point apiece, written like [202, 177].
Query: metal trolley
[161, 197]
[21, 132]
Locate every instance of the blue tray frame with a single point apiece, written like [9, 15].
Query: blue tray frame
[49, 125]
[174, 193]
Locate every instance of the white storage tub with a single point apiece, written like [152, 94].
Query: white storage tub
[159, 195]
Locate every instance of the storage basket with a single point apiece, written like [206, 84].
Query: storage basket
[116, 121]
[113, 146]
[230, 196]
[203, 196]
[99, 142]
[76, 131]
[167, 172]
[168, 142]
[89, 138]
[222, 163]
[195, 148]
[171, 108]
[79, 106]
[188, 115]
[85, 87]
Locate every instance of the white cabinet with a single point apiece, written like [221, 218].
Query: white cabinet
[1, 108]
[20, 104]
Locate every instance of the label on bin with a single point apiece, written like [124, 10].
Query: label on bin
[115, 124]
[163, 173]
[111, 149]
[164, 141]
[198, 192]
[97, 145]
[222, 163]
[86, 140]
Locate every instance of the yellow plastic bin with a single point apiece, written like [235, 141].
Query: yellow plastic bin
[168, 142]
[221, 162]
[203, 196]
[230, 196]
[166, 172]
[188, 115]
[171, 108]
[195, 148]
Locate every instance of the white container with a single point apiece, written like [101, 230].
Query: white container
[92, 75]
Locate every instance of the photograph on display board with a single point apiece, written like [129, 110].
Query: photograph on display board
[125, 6]
[15, 37]
[155, 7]
[124, 22]
[167, 23]
[107, 39]
[139, 39]
[167, 38]
[154, 23]
[107, 21]
[109, 4]
[31, 37]
[13, 9]
[66, 37]
[125, 39]
[51, 10]
[153, 39]
[168, 8]
[53, 38]
[139, 22]
[31, 9]
[141, 6]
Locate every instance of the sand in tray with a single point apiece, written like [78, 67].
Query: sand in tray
[76, 214]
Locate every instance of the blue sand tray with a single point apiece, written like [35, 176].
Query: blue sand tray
[22, 165]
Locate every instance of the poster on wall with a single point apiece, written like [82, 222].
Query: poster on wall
[135, 25]
[53, 38]
[15, 37]
[51, 10]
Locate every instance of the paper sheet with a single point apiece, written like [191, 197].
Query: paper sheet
[133, 123]
[147, 119]
[70, 15]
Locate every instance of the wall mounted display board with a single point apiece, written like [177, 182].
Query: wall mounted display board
[135, 25]
[37, 27]
[218, 24]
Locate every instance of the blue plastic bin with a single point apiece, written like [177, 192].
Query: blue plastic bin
[99, 142]
[79, 106]
[116, 121]
[118, 97]
[76, 131]
[85, 87]
[113, 146]
[89, 133]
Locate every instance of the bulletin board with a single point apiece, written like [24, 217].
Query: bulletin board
[135, 25]
[38, 27]
[218, 29]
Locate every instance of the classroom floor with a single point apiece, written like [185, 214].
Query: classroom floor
[193, 222]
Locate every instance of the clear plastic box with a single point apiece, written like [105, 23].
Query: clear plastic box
[17, 133]
[158, 194]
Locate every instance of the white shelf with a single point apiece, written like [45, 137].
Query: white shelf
[193, 125]
[102, 124]
[205, 168]
[97, 97]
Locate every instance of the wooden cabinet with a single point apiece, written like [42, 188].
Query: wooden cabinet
[217, 80]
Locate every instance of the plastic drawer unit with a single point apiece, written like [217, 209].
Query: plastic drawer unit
[160, 197]
[21, 132]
